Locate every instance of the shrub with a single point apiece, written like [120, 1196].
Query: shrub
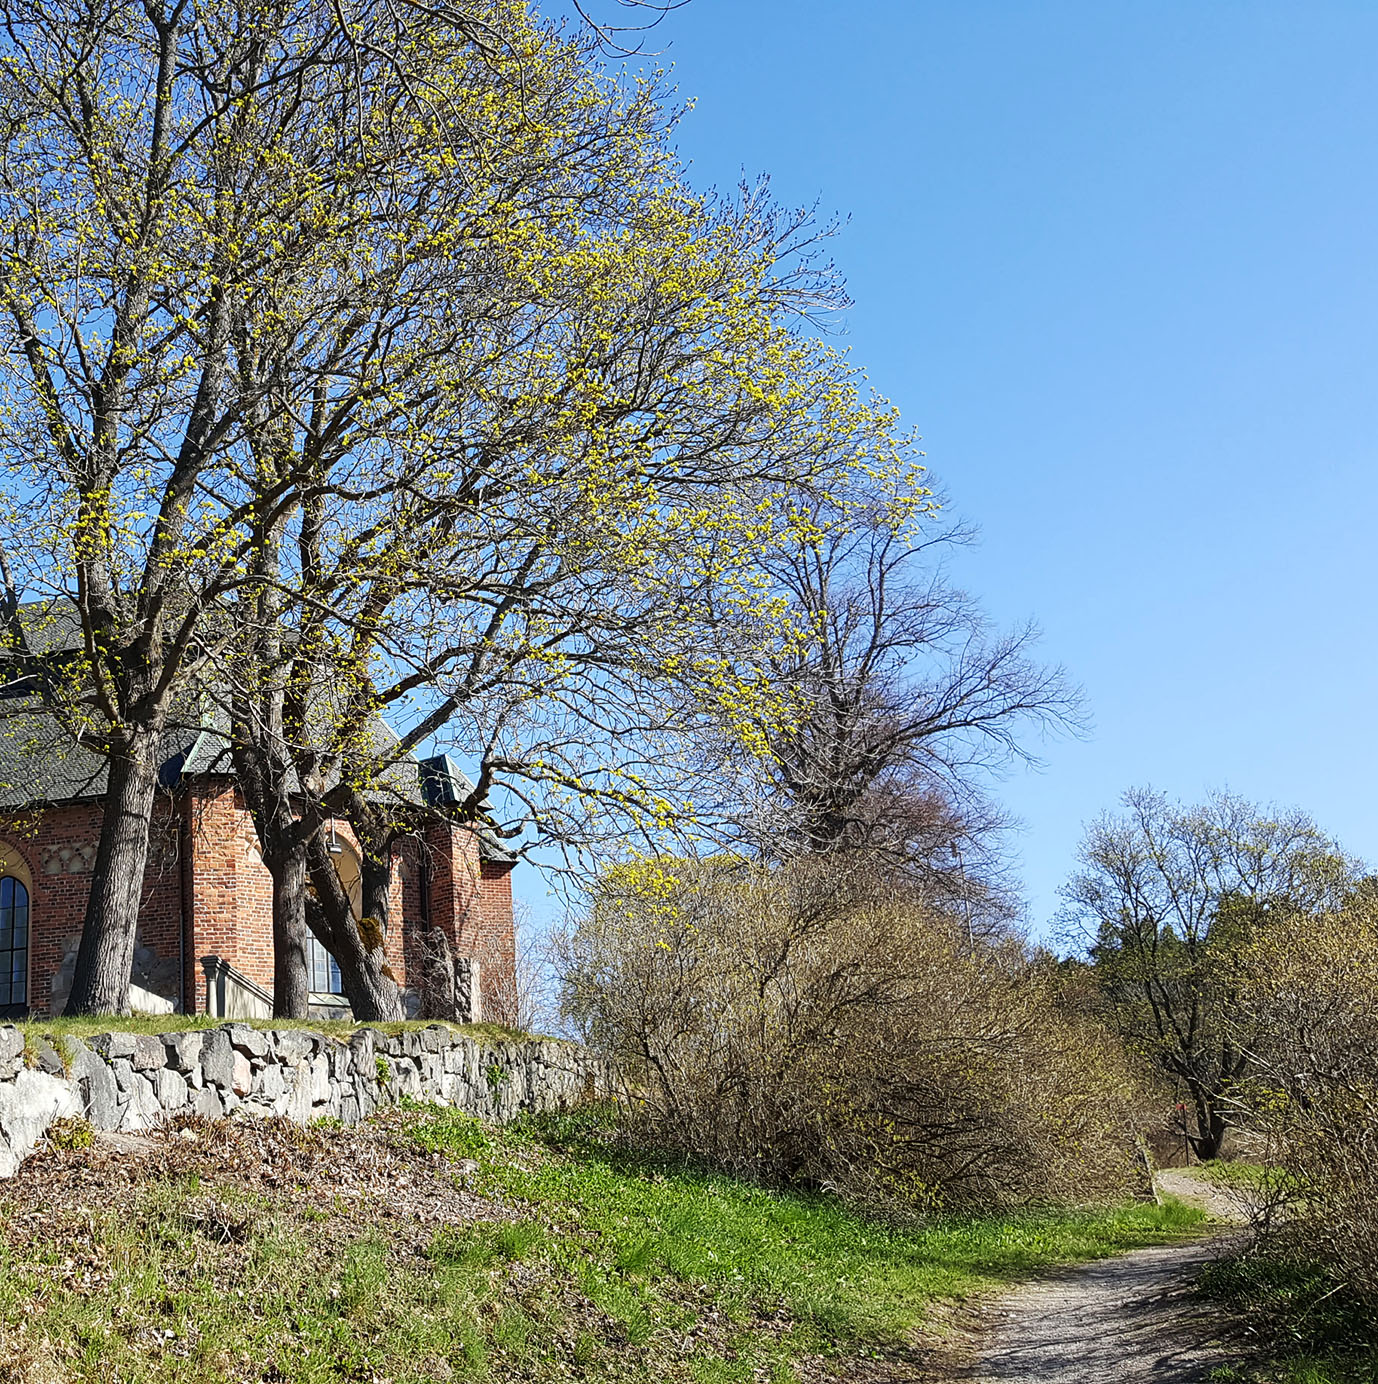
[1310, 997]
[815, 1024]
[71, 1134]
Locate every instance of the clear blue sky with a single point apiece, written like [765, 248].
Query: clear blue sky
[1116, 262]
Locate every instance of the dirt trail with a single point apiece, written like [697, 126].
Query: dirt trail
[1120, 1321]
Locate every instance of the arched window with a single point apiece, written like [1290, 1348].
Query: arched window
[14, 944]
[324, 970]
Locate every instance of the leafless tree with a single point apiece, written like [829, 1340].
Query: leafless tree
[514, 556]
[150, 177]
[1165, 901]
[900, 701]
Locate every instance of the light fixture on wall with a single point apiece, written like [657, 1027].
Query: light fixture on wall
[332, 842]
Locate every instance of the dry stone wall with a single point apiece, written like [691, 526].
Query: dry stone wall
[133, 1081]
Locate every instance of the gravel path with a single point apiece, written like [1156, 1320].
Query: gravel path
[1120, 1321]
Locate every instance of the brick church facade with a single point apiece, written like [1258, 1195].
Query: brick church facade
[204, 943]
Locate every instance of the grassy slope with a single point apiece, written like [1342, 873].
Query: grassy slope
[571, 1263]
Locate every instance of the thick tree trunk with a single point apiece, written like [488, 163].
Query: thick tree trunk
[282, 843]
[291, 972]
[357, 947]
[1210, 1127]
[100, 984]
[376, 887]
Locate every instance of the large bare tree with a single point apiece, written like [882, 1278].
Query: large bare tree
[522, 548]
[897, 702]
[152, 172]
[220, 227]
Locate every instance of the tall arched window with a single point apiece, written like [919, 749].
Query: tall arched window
[324, 970]
[14, 944]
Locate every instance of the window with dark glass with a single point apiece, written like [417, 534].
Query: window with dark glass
[14, 942]
[325, 971]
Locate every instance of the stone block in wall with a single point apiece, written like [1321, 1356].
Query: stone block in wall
[207, 1103]
[217, 1059]
[242, 1078]
[113, 1045]
[149, 1053]
[297, 1103]
[318, 1079]
[142, 1108]
[365, 1095]
[183, 1051]
[100, 1094]
[50, 1060]
[29, 1103]
[295, 1043]
[269, 1085]
[250, 1041]
[171, 1090]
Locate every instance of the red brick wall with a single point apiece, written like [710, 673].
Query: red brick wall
[496, 942]
[452, 857]
[206, 886]
[58, 847]
[232, 891]
[229, 896]
[471, 901]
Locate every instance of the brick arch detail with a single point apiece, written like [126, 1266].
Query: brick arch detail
[15, 861]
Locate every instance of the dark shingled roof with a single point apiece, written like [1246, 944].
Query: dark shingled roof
[41, 764]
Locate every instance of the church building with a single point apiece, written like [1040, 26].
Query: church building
[205, 937]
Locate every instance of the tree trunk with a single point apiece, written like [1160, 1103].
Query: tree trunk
[357, 947]
[286, 862]
[375, 879]
[1210, 1127]
[105, 958]
[281, 841]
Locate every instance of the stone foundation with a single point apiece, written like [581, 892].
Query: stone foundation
[132, 1081]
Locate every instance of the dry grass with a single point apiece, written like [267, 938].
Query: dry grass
[426, 1248]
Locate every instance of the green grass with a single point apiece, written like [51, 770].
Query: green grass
[88, 1026]
[1303, 1326]
[603, 1267]
[1243, 1177]
[850, 1279]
